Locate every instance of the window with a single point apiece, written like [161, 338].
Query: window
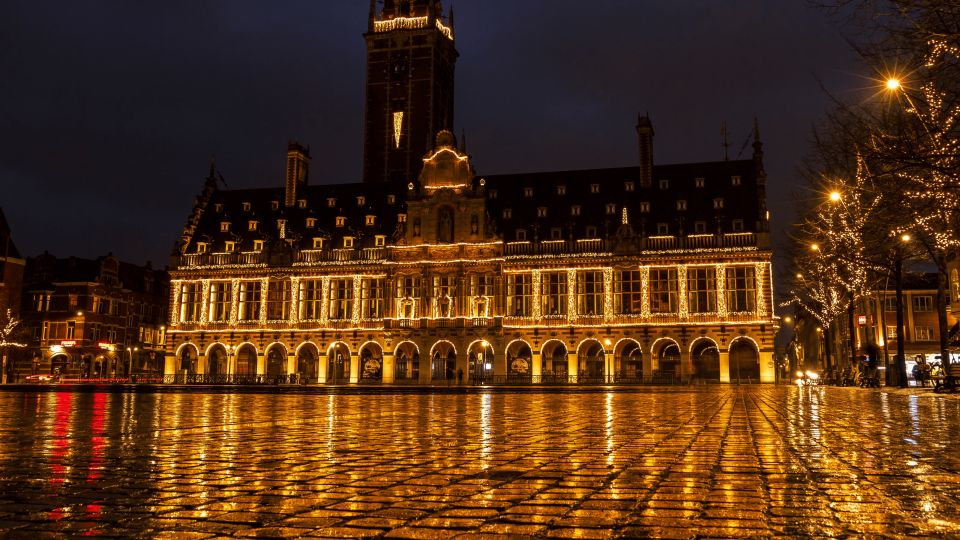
[445, 291]
[71, 329]
[361, 200]
[278, 300]
[379, 240]
[274, 205]
[401, 218]
[627, 296]
[190, 302]
[955, 285]
[663, 290]
[575, 210]
[521, 235]
[281, 225]
[702, 290]
[611, 209]
[542, 211]
[391, 199]
[408, 293]
[348, 241]
[371, 298]
[591, 231]
[246, 207]
[302, 203]
[507, 213]
[590, 293]
[628, 186]
[741, 288]
[311, 222]
[221, 296]
[224, 226]
[493, 194]
[311, 297]
[644, 208]
[717, 204]
[318, 243]
[663, 228]
[230, 247]
[890, 304]
[561, 190]
[556, 233]
[201, 247]
[699, 227]
[341, 221]
[252, 225]
[664, 184]
[258, 245]
[331, 202]
[594, 188]
[922, 303]
[735, 180]
[528, 192]
[738, 225]
[553, 294]
[249, 307]
[923, 333]
[341, 299]
[681, 205]
[520, 295]
[371, 220]
[218, 208]
[698, 182]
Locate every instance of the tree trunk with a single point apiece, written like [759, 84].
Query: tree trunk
[901, 361]
[941, 303]
[853, 334]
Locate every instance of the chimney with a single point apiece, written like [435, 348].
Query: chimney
[645, 138]
[298, 165]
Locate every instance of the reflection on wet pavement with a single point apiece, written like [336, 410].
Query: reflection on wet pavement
[718, 462]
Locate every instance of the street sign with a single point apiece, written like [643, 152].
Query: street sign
[70, 343]
[862, 320]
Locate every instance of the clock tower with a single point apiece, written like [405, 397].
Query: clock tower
[410, 65]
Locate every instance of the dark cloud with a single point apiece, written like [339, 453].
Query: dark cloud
[111, 110]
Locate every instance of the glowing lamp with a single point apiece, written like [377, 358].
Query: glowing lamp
[835, 196]
[893, 83]
[905, 238]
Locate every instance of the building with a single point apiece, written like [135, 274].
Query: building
[11, 270]
[94, 317]
[427, 271]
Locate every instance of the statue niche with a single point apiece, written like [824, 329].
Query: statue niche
[445, 225]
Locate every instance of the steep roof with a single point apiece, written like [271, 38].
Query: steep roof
[7, 248]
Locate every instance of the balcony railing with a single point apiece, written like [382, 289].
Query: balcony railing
[238, 258]
[317, 256]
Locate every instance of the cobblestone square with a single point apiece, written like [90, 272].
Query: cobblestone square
[712, 462]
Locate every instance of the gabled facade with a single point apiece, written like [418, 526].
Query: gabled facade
[11, 270]
[428, 272]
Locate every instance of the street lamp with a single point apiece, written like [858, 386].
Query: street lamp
[130, 361]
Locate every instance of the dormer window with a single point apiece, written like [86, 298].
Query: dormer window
[302, 203]
[258, 245]
[361, 200]
[734, 180]
[521, 235]
[561, 190]
[492, 193]
[718, 203]
[591, 232]
[218, 208]
[738, 225]
[594, 188]
[348, 241]
[528, 192]
[379, 240]
[311, 222]
[611, 209]
[663, 228]
[628, 186]
[252, 225]
[401, 218]
[318, 243]
[681, 205]
[371, 220]
[281, 224]
[507, 213]
[556, 233]
[699, 182]
[341, 221]
[331, 202]
[274, 205]
[575, 210]
[201, 247]
[699, 227]
[230, 247]
[246, 207]
[224, 226]
[391, 199]
[644, 208]
[664, 183]
[541, 211]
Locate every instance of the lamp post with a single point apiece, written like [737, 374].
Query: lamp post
[900, 362]
[130, 362]
[484, 366]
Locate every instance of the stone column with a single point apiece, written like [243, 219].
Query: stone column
[500, 363]
[426, 369]
[724, 366]
[291, 364]
[573, 367]
[261, 364]
[767, 367]
[354, 368]
[536, 365]
[389, 367]
[686, 362]
[609, 367]
[647, 359]
[170, 364]
[322, 368]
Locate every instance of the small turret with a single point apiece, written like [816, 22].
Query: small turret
[298, 167]
[645, 140]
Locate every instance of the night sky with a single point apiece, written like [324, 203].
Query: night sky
[111, 110]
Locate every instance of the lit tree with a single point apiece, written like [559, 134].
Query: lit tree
[9, 334]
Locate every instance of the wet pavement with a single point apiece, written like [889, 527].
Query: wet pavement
[714, 462]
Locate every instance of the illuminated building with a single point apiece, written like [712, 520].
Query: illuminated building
[11, 270]
[427, 270]
[94, 317]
